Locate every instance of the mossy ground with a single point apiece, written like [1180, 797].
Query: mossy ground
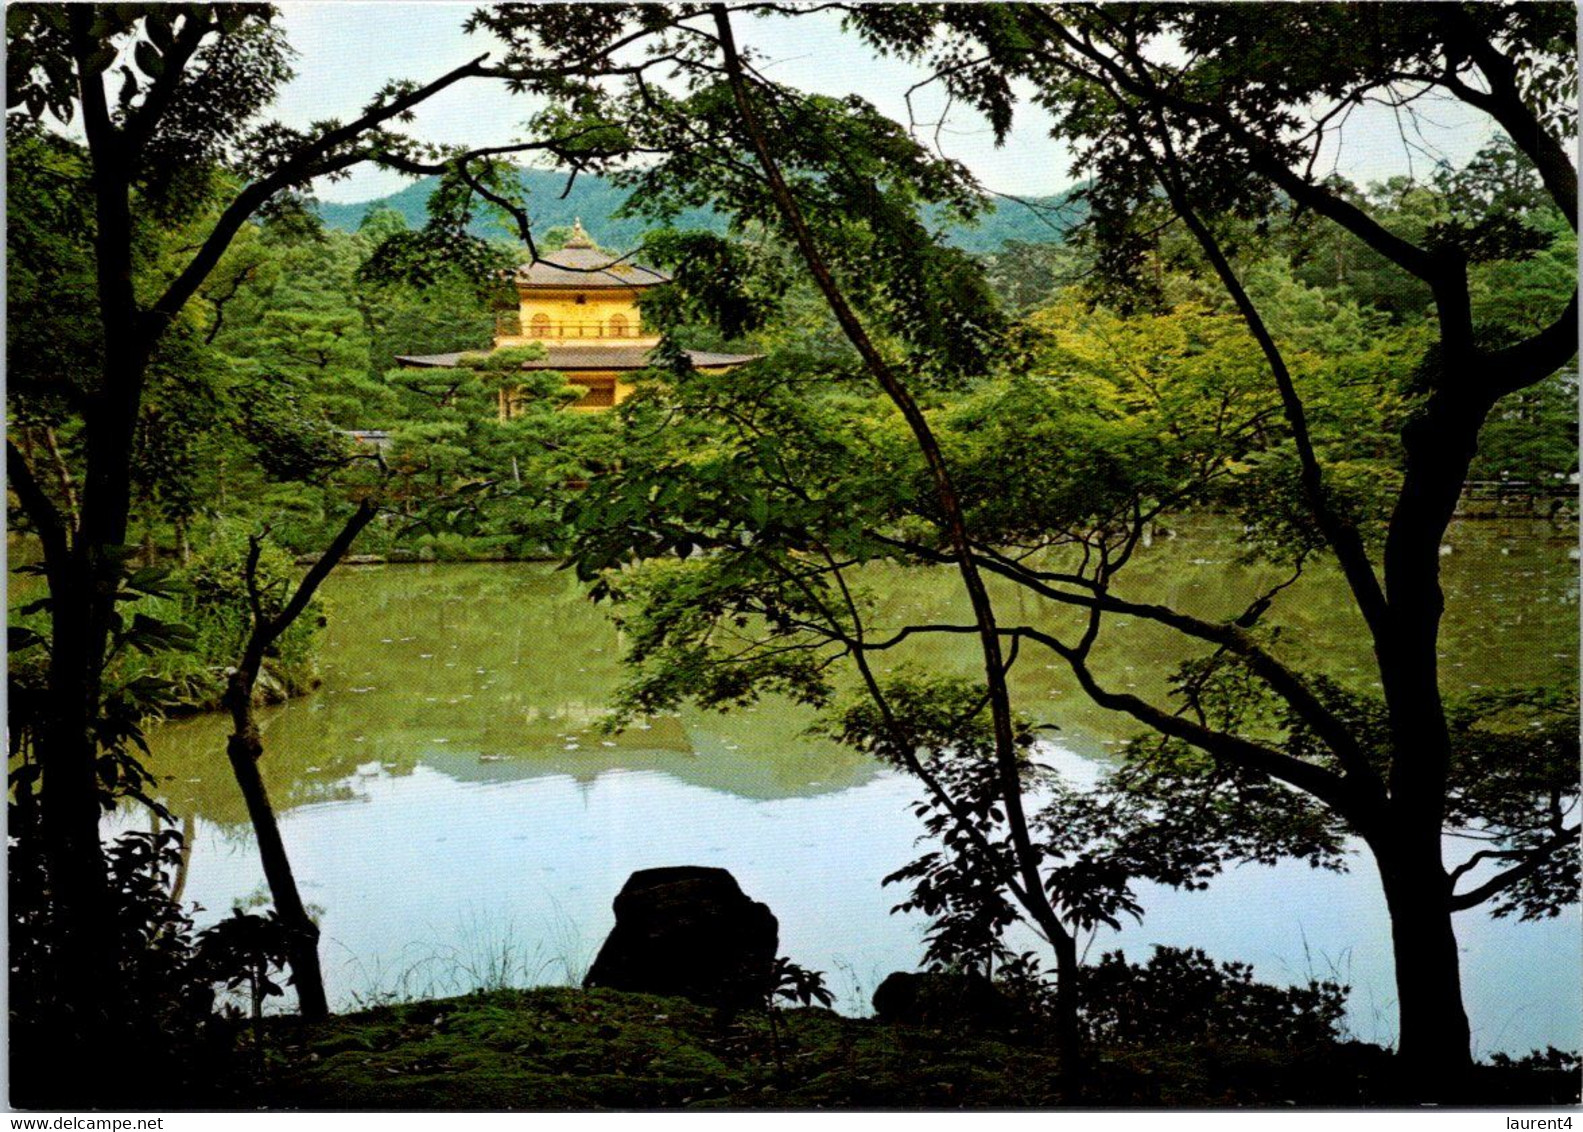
[570, 1049]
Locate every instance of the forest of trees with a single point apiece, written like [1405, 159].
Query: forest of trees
[192, 353]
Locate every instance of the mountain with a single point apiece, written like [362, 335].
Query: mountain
[1042, 220]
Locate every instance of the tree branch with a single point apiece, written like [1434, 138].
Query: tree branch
[1403, 253]
[1342, 536]
[267, 631]
[1534, 359]
[1527, 866]
[310, 161]
[1281, 679]
[1505, 104]
[1327, 786]
[143, 121]
[62, 475]
[37, 505]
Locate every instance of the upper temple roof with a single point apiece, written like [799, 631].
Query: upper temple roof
[581, 264]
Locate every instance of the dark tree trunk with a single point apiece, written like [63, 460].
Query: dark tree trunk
[244, 748]
[1434, 1042]
[83, 981]
[1068, 1039]
[1435, 1039]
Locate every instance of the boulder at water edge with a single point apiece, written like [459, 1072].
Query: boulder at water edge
[689, 931]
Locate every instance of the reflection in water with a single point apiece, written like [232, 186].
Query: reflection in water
[487, 673]
[452, 807]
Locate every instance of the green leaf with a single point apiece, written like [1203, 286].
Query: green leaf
[150, 633]
[157, 25]
[20, 637]
[156, 581]
[148, 58]
[100, 60]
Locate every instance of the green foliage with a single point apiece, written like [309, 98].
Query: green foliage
[729, 284]
[171, 1040]
[243, 950]
[151, 937]
[1514, 784]
[52, 350]
[1182, 996]
[209, 601]
[796, 983]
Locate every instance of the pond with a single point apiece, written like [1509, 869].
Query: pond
[457, 819]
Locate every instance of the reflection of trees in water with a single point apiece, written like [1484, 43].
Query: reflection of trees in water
[510, 664]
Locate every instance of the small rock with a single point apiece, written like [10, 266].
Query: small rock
[936, 999]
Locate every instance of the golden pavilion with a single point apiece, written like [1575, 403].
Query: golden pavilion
[581, 304]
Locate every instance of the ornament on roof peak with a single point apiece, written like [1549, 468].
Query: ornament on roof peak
[579, 237]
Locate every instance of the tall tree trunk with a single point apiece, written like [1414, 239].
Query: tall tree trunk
[1068, 1037]
[244, 748]
[84, 982]
[1434, 1039]
[178, 885]
[1434, 1032]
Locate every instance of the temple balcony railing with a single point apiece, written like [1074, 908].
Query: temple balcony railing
[512, 326]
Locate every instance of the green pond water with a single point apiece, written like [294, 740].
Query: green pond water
[457, 818]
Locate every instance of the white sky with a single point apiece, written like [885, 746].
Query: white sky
[347, 51]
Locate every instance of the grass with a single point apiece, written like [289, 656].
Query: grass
[560, 1048]
[483, 953]
[563, 1048]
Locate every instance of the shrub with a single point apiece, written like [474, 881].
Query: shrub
[1181, 996]
[210, 595]
[171, 1047]
[217, 603]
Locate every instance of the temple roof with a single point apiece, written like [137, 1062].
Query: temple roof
[571, 359]
[581, 264]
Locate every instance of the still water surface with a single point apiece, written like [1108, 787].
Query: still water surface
[457, 818]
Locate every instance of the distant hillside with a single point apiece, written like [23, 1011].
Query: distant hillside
[596, 200]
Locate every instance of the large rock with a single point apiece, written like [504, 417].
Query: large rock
[933, 998]
[689, 931]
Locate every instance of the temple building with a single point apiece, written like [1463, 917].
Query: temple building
[581, 304]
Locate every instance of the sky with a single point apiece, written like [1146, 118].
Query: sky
[347, 51]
